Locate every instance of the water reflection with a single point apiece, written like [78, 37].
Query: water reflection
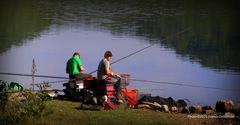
[92, 27]
[213, 40]
[157, 64]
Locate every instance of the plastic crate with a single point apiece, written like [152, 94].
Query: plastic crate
[131, 96]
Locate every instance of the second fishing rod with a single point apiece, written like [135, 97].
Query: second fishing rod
[144, 48]
[177, 34]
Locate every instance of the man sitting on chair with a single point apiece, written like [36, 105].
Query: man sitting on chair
[75, 67]
[104, 72]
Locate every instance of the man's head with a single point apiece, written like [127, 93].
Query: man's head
[76, 54]
[108, 55]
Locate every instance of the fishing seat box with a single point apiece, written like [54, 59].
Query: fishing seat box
[90, 83]
[79, 85]
[76, 84]
[109, 87]
[110, 91]
[106, 88]
[110, 94]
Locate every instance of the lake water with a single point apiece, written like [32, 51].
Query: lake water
[205, 54]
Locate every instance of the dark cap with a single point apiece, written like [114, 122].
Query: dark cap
[108, 54]
[76, 53]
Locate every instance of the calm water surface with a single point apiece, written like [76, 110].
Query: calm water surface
[205, 55]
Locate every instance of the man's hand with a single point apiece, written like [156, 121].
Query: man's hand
[115, 74]
[82, 68]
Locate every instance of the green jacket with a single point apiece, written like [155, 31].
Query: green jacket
[73, 66]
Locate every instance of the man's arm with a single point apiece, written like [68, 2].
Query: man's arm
[81, 68]
[109, 71]
[107, 67]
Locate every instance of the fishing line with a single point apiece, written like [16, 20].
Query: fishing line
[137, 80]
[182, 84]
[43, 76]
[148, 81]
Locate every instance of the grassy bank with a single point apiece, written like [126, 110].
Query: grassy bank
[66, 112]
[58, 112]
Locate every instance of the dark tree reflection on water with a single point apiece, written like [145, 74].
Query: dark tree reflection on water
[213, 40]
[50, 30]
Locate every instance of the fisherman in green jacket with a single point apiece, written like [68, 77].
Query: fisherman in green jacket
[75, 67]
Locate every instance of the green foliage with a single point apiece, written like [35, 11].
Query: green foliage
[3, 86]
[33, 104]
[44, 96]
[19, 106]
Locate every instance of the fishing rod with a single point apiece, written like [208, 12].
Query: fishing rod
[126, 56]
[41, 76]
[137, 80]
[133, 53]
[148, 81]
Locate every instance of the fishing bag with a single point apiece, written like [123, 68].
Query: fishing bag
[15, 86]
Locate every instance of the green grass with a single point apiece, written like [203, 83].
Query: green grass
[67, 113]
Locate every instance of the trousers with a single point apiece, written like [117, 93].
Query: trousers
[80, 76]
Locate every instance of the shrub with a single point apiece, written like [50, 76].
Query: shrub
[19, 106]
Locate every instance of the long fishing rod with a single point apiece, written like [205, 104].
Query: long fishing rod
[148, 81]
[41, 76]
[133, 53]
[126, 57]
[137, 80]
